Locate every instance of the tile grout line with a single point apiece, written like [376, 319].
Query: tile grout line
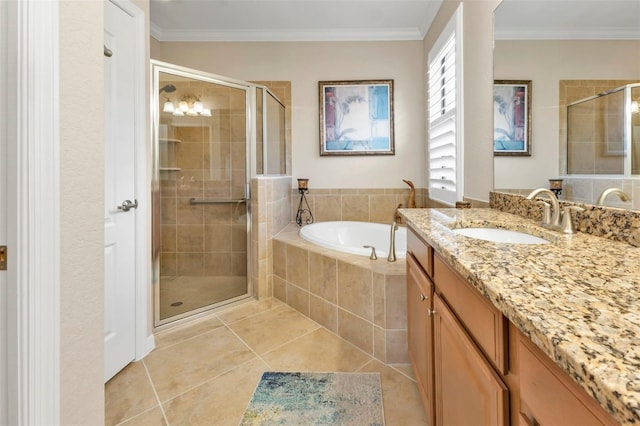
[213, 315]
[189, 389]
[128, 419]
[248, 347]
[153, 387]
[208, 381]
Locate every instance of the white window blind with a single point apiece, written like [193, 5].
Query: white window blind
[444, 89]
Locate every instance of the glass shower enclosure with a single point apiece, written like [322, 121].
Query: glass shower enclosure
[603, 133]
[206, 146]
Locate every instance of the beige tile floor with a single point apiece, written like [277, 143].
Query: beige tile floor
[204, 372]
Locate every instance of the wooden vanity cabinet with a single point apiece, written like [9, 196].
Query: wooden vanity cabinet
[468, 390]
[548, 396]
[420, 322]
[484, 322]
[472, 366]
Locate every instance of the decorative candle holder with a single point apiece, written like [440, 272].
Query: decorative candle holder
[304, 211]
[555, 185]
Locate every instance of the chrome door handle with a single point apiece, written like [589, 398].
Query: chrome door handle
[128, 205]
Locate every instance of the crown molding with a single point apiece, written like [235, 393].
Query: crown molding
[392, 34]
[530, 33]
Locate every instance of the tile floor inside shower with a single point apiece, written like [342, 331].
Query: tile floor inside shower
[187, 293]
[204, 372]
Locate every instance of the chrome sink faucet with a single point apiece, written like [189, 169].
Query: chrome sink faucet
[619, 192]
[392, 243]
[553, 219]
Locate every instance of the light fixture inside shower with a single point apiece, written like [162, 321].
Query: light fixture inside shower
[188, 105]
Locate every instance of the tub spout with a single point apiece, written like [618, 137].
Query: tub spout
[392, 243]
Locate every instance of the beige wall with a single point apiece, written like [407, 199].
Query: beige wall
[306, 63]
[81, 215]
[546, 63]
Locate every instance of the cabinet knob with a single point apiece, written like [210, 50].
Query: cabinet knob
[423, 297]
[431, 312]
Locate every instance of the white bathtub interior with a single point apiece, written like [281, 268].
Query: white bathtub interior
[351, 237]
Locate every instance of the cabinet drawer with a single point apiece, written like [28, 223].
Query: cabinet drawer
[417, 275]
[484, 322]
[422, 251]
[549, 396]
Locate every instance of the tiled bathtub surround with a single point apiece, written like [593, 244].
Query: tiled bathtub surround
[356, 204]
[361, 300]
[607, 222]
[270, 206]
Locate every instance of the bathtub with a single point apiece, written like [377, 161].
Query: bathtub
[349, 237]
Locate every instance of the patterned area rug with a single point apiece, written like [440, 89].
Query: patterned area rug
[316, 399]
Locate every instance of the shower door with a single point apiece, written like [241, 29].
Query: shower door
[201, 205]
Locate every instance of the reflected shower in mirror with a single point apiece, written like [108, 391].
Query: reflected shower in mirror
[569, 50]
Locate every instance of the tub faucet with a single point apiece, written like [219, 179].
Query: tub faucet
[554, 219]
[619, 192]
[392, 243]
[373, 256]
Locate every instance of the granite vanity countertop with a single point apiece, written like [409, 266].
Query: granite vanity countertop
[577, 298]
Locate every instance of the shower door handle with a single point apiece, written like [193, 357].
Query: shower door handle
[128, 205]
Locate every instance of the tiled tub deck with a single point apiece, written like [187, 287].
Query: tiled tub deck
[361, 300]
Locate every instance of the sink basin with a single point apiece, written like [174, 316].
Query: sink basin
[500, 235]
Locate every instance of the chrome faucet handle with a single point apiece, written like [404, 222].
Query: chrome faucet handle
[567, 222]
[546, 212]
[373, 252]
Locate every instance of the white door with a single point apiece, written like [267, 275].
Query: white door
[4, 197]
[120, 198]
[4, 363]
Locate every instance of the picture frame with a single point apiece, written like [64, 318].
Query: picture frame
[512, 117]
[356, 117]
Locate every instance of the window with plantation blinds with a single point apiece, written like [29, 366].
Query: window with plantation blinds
[444, 114]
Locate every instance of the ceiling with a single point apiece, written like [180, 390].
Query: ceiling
[341, 20]
[291, 20]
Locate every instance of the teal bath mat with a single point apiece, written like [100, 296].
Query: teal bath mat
[316, 399]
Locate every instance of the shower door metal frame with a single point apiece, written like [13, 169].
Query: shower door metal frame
[157, 67]
[265, 132]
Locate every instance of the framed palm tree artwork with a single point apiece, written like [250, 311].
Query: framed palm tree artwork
[356, 117]
[512, 117]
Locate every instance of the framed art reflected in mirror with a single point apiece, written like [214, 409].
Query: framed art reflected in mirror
[512, 117]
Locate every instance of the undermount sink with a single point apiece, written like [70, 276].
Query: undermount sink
[500, 235]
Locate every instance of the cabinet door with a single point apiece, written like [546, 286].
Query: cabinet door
[467, 389]
[548, 396]
[420, 332]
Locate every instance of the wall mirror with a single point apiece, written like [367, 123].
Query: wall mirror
[569, 50]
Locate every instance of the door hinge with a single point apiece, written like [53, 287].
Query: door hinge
[3, 258]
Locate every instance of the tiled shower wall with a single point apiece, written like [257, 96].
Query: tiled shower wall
[587, 189]
[589, 135]
[200, 239]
